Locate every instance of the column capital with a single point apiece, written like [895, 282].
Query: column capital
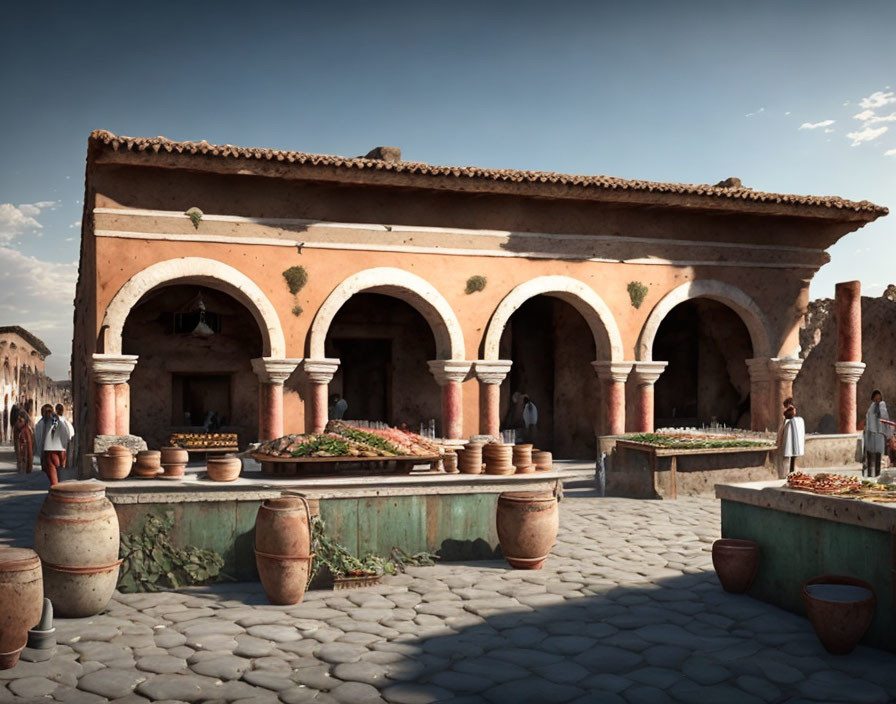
[646, 373]
[320, 371]
[448, 370]
[759, 370]
[785, 369]
[112, 368]
[613, 371]
[271, 370]
[849, 372]
[492, 371]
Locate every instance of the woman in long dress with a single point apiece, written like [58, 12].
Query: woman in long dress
[876, 433]
[23, 440]
[793, 435]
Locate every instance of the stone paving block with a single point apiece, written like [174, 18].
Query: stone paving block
[335, 653]
[532, 690]
[222, 667]
[32, 687]
[366, 672]
[415, 694]
[183, 687]
[317, 677]
[76, 696]
[356, 693]
[112, 683]
[565, 672]
[692, 693]
[838, 686]
[603, 658]
[298, 695]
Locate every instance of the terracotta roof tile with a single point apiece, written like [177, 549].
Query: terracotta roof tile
[101, 139]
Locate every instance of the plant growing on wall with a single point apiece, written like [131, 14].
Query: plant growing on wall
[476, 283]
[637, 292]
[195, 215]
[151, 563]
[296, 278]
[297, 310]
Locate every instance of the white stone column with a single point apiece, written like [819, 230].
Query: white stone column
[450, 375]
[491, 373]
[319, 373]
[272, 373]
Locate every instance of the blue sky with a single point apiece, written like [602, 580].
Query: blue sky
[690, 91]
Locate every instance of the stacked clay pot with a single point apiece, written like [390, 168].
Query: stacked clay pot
[527, 527]
[76, 537]
[225, 468]
[174, 462]
[148, 463]
[21, 601]
[283, 548]
[498, 459]
[115, 463]
[449, 462]
[543, 461]
[470, 459]
[522, 458]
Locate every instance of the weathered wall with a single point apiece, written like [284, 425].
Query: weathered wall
[815, 389]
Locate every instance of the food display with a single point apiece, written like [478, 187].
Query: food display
[823, 483]
[340, 439]
[203, 441]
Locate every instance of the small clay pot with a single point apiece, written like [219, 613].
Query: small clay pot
[498, 459]
[112, 467]
[470, 459]
[543, 461]
[736, 562]
[449, 462]
[226, 468]
[840, 609]
[174, 462]
[118, 450]
[147, 464]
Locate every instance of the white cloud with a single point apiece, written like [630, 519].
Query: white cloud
[17, 220]
[878, 99]
[864, 115]
[890, 152]
[869, 117]
[866, 135]
[829, 130]
[816, 125]
[751, 114]
[76, 223]
[787, 113]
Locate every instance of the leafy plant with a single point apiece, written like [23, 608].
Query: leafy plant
[367, 438]
[322, 443]
[334, 557]
[476, 283]
[296, 278]
[692, 443]
[151, 563]
[195, 215]
[637, 292]
[297, 310]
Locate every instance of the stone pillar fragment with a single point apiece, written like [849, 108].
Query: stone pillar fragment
[450, 374]
[272, 373]
[848, 375]
[122, 409]
[849, 366]
[761, 397]
[491, 373]
[613, 375]
[319, 373]
[111, 373]
[783, 372]
[645, 375]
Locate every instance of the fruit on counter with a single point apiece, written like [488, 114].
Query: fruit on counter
[201, 441]
[822, 483]
[343, 440]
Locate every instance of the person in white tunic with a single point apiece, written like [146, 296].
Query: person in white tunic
[792, 440]
[530, 418]
[876, 433]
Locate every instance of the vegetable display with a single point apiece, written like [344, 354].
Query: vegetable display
[343, 440]
[202, 441]
[822, 483]
[695, 442]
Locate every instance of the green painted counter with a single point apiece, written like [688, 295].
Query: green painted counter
[803, 535]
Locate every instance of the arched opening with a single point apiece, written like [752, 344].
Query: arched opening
[383, 344]
[186, 382]
[706, 382]
[552, 347]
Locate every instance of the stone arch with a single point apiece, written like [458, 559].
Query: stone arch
[607, 340]
[400, 284]
[725, 293]
[201, 271]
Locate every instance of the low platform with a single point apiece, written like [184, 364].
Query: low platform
[803, 535]
[434, 511]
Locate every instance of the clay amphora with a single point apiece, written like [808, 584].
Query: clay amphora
[527, 527]
[76, 536]
[736, 563]
[841, 609]
[283, 548]
[21, 601]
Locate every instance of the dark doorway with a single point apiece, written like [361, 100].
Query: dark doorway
[198, 395]
[366, 377]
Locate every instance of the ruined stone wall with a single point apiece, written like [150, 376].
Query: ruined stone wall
[815, 389]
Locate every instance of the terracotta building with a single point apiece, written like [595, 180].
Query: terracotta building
[22, 377]
[420, 292]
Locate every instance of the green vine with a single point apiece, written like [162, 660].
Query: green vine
[296, 278]
[297, 310]
[637, 292]
[476, 283]
[335, 558]
[195, 215]
[151, 563]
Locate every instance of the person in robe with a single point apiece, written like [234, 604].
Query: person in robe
[876, 433]
[792, 437]
[530, 418]
[51, 438]
[60, 411]
[23, 441]
[338, 407]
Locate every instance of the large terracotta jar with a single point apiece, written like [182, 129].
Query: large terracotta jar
[21, 601]
[225, 468]
[76, 536]
[527, 527]
[283, 548]
[841, 609]
[736, 563]
[114, 463]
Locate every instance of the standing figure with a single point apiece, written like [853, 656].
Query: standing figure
[876, 433]
[338, 407]
[792, 437]
[60, 411]
[530, 418]
[51, 438]
[23, 441]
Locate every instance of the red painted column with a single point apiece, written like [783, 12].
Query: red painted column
[645, 375]
[491, 373]
[614, 375]
[760, 394]
[319, 373]
[272, 374]
[849, 366]
[783, 372]
[450, 374]
[122, 409]
[105, 409]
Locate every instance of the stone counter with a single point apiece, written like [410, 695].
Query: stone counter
[803, 535]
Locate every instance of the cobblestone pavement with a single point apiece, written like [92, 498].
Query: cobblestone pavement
[627, 609]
